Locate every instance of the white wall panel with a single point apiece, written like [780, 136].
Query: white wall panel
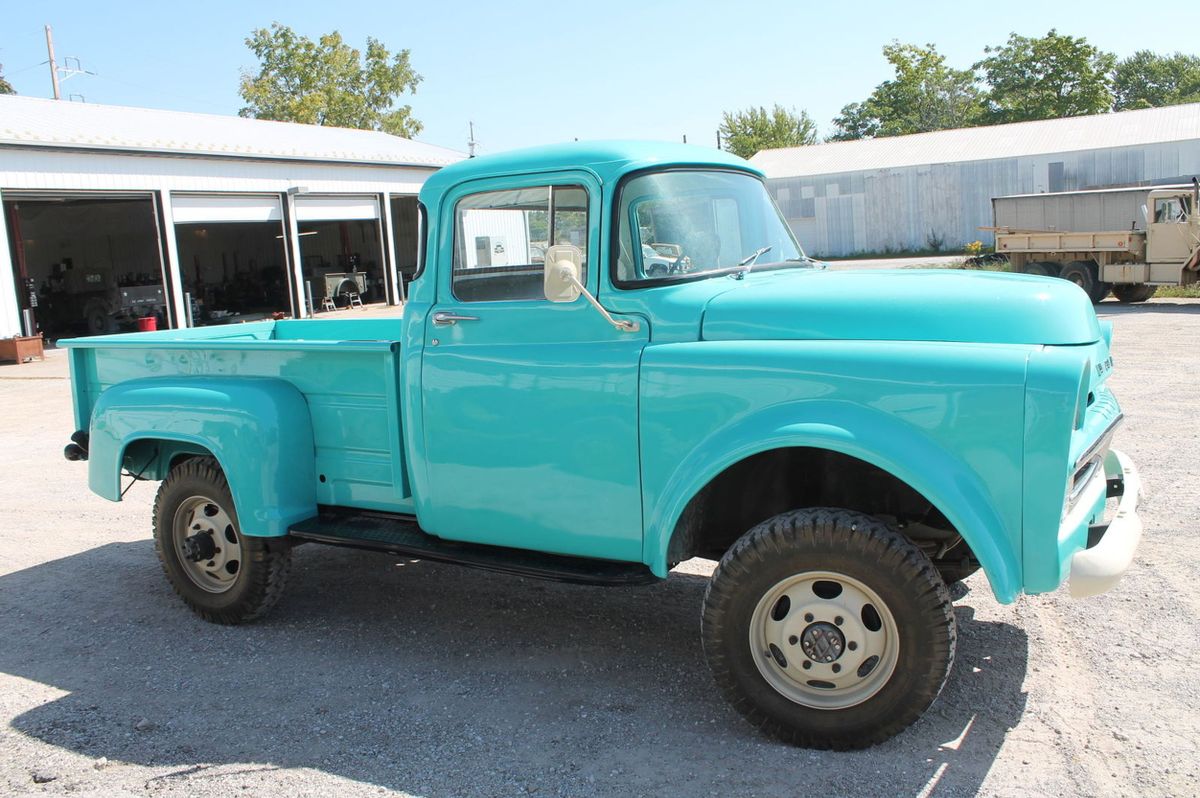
[335, 209]
[214, 208]
[43, 168]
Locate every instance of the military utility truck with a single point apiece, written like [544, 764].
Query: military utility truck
[845, 444]
[1128, 241]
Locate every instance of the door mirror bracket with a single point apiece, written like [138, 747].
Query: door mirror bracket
[562, 284]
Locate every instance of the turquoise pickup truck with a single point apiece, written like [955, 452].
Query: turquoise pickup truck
[614, 358]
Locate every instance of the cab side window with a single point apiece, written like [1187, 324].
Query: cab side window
[1171, 209]
[501, 238]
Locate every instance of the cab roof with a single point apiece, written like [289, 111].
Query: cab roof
[608, 160]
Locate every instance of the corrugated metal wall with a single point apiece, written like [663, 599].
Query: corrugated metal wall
[906, 208]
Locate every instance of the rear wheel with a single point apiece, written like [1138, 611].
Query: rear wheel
[1134, 292]
[1084, 274]
[1042, 268]
[829, 629]
[223, 575]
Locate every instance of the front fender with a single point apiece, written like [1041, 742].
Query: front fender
[258, 429]
[864, 433]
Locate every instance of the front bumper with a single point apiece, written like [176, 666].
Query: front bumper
[1102, 564]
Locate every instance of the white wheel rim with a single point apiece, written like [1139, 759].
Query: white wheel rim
[824, 640]
[197, 518]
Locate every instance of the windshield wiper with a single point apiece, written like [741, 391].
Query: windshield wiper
[744, 265]
[753, 256]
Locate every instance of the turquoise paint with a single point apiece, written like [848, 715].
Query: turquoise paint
[904, 305]
[1059, 427]
[541, 426]
[937, 416]
[347, 372]
[243, 421]
[541, 400]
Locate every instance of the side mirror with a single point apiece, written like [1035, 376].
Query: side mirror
[564, 264]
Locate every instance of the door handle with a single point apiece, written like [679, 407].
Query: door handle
[444, 319]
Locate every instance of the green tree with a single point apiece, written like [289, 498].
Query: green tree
[746, 132]
[925, 94]
[1046, 78]
[856, 121]
[1150, 80]
[5, 86]
[327, 82]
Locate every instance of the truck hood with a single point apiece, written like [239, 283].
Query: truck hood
[903, 305]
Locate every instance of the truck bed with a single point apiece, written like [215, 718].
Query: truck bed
[1047, 241]
[347, 370]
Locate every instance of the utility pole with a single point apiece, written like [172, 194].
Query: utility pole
[471, 141]
[53, 65]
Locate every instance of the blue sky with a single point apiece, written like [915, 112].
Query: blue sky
[530, 73]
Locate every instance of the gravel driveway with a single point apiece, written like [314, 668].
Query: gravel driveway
[376, 674]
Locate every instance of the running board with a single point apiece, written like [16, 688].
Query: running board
[399, 534]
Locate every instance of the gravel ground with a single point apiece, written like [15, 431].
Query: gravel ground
[376, 675]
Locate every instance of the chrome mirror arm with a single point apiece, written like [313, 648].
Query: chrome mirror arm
[624, 325]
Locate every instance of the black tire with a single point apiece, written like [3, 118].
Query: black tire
[97, 316]
[1084, 274]
[1134, 292]
[850, 545]
[1042, 268]
[262, 563]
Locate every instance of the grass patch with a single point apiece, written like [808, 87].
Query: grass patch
[1179, 291]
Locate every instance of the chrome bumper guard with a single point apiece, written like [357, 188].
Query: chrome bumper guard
[1101, 565]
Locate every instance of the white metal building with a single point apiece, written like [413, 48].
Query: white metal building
[112, 214]
[901, 193]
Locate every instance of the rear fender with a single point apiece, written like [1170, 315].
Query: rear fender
[868, 435]
[257, 428]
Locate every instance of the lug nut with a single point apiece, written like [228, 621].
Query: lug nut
[839, 620]
[852, 645]
[808, 616]
[836, 667]
[806, 665]
[793, 640]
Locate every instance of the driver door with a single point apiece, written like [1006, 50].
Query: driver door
[529, 407]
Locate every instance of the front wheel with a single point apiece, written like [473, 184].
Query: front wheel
[223, 575]
[827, 628]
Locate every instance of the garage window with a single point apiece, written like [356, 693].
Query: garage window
[86, 264]
[232, 257]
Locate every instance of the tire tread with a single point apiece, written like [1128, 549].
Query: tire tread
[872, 540]
[270, 559]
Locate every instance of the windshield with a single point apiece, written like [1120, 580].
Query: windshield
[689, 223]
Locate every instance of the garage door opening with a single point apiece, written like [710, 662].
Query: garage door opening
[87, 265]
[404, 239]
[232, 258]
[341, 250]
